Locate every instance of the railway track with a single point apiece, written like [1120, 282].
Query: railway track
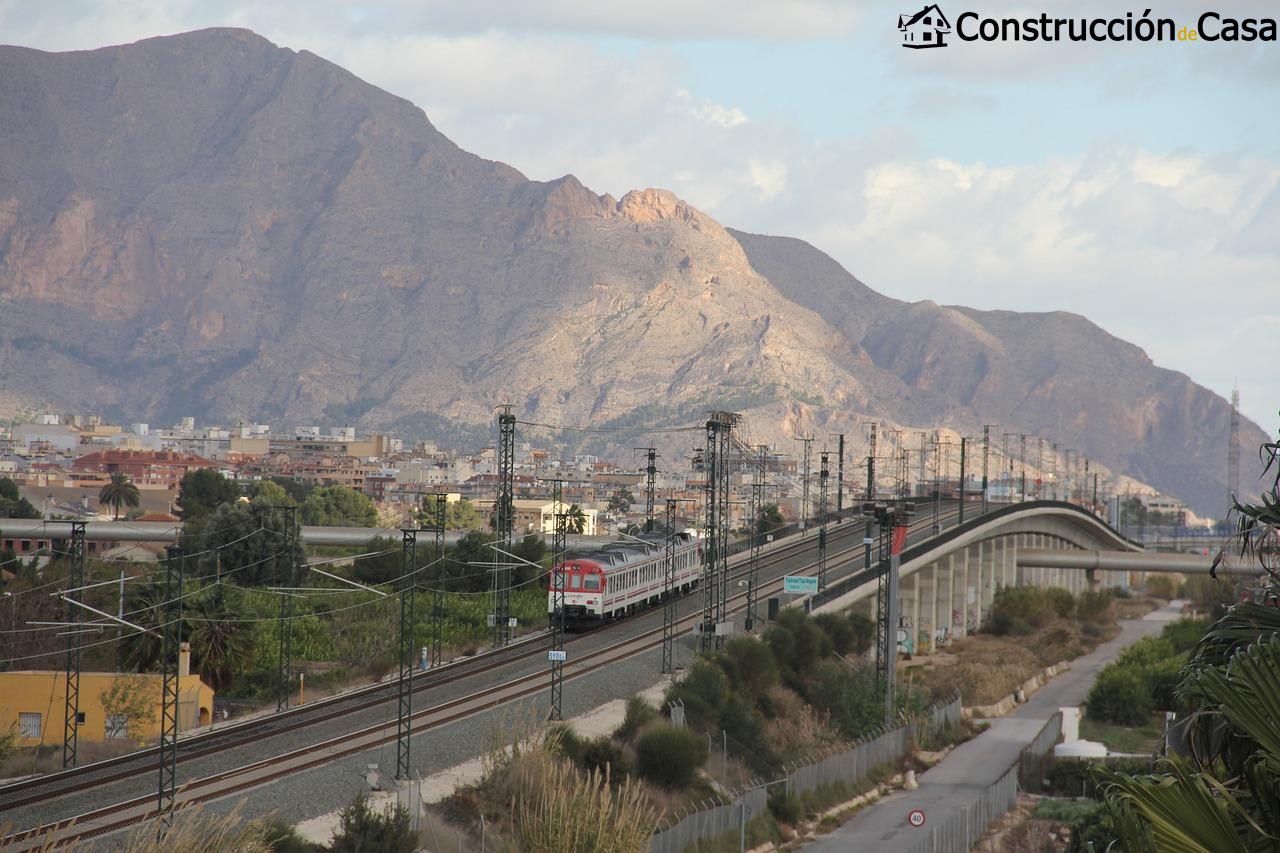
[256, 733]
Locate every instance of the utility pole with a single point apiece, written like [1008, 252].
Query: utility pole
[757, 537]
[964, 453]
[557, 655]
[404, 687]
[824, 472]
[286, 577]
[1070, 483]
[1039, 468]
[437, 592]
[924, 457]
[504, 520]
[715, 554]
[650, 486]
[1053, 466]
[1006, 473]
[937, 483]
[75, 581]
[1233, 448]
[804, 482]
[986, 452]
[870, 499]
[840, 477]
[669, 602]
[171, 639]
[1022, 462]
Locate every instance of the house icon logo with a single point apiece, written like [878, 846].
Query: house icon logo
[926, 28]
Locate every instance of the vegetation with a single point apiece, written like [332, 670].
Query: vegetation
[201, 492]
[12, 503]
[620, 501]
[338, 506]
[670, 756]
[119, 491]
[538, 796]
[989, 666]
[1224, 796]
[770, 519]
[365, 830]
[1142, 679]
[458, 515]
[193, 831]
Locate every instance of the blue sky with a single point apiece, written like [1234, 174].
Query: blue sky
[1138, 185]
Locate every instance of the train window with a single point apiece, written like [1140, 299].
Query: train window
[575, 581]
[591, 583]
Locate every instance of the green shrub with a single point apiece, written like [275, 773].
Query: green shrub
[784, 809]
[1120, 695]
[1163, 678]
[1019, 610]
[754, 665]
[807, 644]
[703, 691]
[1092, 629]
[639, 714]
[1074, 777]
[864, 633]
[1145, 652]
[363, 830]
[838, 631]
[1184, 634]
[1062, 601]
[848, 696]
[670, 757]
[747, 737]
[1094, 606]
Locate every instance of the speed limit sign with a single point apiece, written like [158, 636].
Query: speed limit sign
[915, 817]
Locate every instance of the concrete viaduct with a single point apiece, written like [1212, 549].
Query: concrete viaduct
[949, 581]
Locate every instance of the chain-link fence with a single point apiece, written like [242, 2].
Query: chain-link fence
[846, 765]
[962, 828]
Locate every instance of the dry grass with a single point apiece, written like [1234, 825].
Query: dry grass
[985, 668]
[27, 761]
[192, 831]
[533, 796]
[796, 727]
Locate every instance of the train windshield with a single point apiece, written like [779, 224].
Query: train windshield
[591, 583]
[575, 581]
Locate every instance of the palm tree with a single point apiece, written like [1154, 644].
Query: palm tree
[220, 646]
[120, 490]
[576, 519]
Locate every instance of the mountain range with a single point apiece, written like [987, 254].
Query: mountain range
[208, 224]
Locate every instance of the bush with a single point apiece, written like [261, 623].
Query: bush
[806, 644]
[703, 691]
[1073, 777]
[747, 738]
[1094, 606]
[1162, 683]
[1185, 634]
[838, 631]
[864, 633]
[639, 714]
[784, 809]
[848, 696]
[1144, 652]
[1121, 695]
[362, 830]
[754, 666]
[1062, 601]
[1161, 586]
[670, 757]
[1019, 610]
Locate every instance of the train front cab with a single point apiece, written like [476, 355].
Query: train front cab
[583, 594]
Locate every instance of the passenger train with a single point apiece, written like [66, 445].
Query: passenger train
[622, 577]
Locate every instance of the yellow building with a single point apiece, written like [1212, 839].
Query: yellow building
[113, 706]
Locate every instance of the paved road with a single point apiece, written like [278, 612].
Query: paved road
[961, 777]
